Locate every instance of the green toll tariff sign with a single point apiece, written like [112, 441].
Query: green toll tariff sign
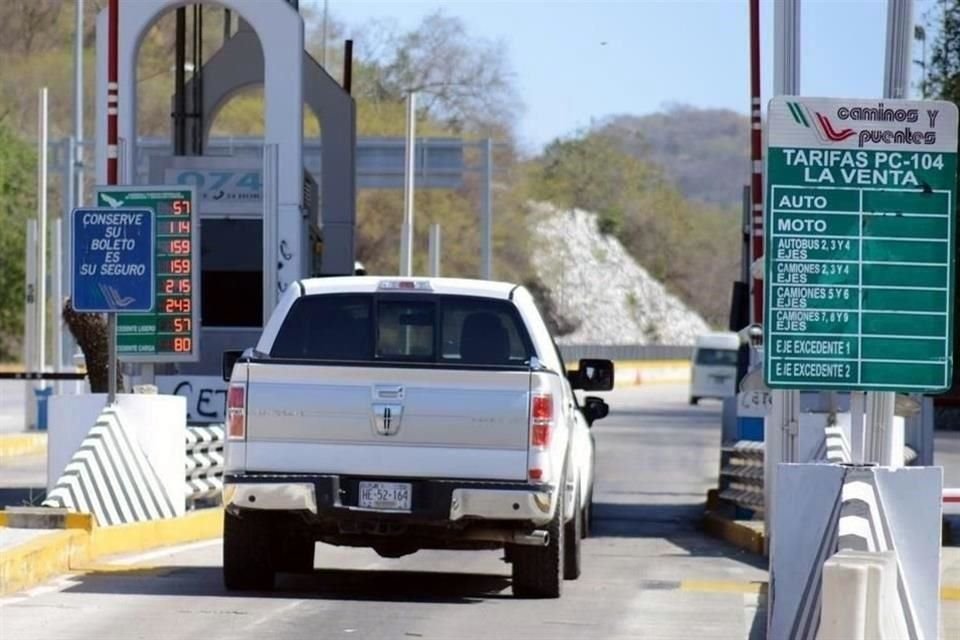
[170, 333]
[859, 244]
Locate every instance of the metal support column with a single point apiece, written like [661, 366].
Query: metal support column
[41, 246]
[786, 48]
[486, 214]
[434, 250]
[880, 439]
[406, 229]
[30, 337]
[783, 421]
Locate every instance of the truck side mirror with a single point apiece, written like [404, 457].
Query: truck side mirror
[593, 375]
[594, 409]
[227, 361]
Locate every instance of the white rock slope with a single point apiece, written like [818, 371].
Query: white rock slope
[600, 288]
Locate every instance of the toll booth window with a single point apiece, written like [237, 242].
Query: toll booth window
[231, 262]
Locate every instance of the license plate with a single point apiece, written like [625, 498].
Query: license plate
[719, 379]
[392, 496]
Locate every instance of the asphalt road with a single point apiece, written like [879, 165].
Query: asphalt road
[648, 571]
[12, 406]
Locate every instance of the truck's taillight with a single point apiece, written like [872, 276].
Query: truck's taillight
[237, 412]
[541, 420]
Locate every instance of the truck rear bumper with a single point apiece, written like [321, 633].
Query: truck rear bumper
[433, 500]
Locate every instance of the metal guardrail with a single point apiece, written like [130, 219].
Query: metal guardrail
[573, 352]
[204, 467]
[741, 479]
[40, 375]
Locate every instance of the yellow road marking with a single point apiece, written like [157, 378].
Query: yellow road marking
[129, 569]
[949, 593]
[22, 444]
[723, 586]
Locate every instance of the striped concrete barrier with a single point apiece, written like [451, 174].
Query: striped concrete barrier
[855, 553]
[860, 597]
[864, 528]
[204, 470]
[110, 477]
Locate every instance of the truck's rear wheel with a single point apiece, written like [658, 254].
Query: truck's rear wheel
[297, 554]
[538, 571]
[571, 541]
[587, 511]
[247, 561]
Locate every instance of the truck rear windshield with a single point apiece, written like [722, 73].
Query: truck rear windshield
[454, 330]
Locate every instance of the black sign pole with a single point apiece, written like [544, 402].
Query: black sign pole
[112, 358]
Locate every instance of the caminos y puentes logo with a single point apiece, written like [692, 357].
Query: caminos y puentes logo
[832, 129]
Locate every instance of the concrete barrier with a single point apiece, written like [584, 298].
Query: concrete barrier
[860, 599]
[866, 510]
[74, 549]
[123, 471]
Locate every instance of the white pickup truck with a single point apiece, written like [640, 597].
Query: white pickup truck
[407, 414]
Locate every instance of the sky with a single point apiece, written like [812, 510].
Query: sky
[576, 62]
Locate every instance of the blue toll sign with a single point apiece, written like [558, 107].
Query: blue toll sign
[113, 260]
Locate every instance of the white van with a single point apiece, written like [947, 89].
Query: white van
[714, 366]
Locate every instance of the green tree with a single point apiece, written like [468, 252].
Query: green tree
[943, 77]
[17, 203]
[943, 81]
[462, 81]
[689, 246]
[590, 172]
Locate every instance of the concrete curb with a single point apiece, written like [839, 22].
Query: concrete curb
[22, 444]
[743, 534]
[73, 549]
[749, 535]
[44, 518]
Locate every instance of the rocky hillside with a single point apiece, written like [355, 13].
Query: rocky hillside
[595, 292]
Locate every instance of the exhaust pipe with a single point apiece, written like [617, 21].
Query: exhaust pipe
[531, 539]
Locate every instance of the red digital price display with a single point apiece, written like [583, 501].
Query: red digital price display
[170, 333]
[175, 246]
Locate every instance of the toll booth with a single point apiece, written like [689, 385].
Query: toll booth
[261, 219]
[230, 209]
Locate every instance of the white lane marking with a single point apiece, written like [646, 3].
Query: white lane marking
[753, 607]
[7, 601]
[52, 586]
[278, 612]
[164, 552]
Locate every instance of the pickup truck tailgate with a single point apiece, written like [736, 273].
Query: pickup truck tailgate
[388, 422]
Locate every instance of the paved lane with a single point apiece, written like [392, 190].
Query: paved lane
[648, 572]
[13, 394]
